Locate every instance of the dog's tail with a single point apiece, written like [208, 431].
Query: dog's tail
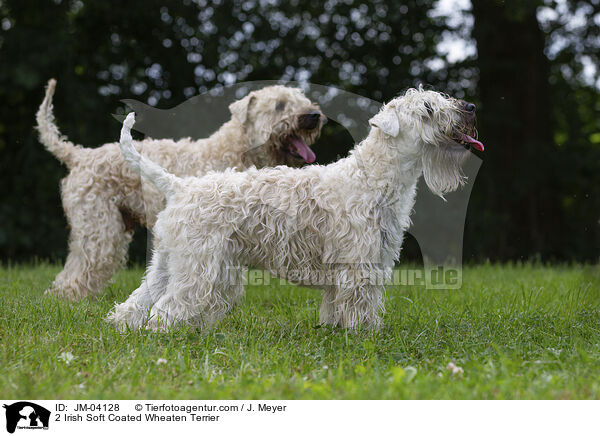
[148, 169]
[50, 136]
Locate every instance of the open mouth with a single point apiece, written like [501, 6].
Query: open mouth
[296, 147]
[468, 142]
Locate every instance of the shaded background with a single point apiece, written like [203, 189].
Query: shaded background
[530, 66]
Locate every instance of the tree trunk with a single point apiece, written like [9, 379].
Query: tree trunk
[516, 126]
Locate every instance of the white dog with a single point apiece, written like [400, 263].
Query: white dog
[103, 199]
[346, 219]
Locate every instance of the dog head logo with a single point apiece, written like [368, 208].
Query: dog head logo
[26, 415]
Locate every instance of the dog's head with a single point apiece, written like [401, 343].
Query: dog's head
[280, 124]
[437, 128]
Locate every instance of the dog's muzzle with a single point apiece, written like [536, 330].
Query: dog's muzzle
[309, 120]
[463, 138]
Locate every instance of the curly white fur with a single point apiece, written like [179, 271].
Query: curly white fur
[347, 219]
[103, 198]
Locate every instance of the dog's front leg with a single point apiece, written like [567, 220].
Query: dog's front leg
[356, 300]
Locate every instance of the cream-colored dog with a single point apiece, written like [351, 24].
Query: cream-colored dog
[103, 198]
[345, 220]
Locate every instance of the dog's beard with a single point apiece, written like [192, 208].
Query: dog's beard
[442, 167]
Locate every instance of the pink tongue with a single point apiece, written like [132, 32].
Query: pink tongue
[474, 142]
[303, 150]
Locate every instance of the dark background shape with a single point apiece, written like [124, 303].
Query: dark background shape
[537, 195]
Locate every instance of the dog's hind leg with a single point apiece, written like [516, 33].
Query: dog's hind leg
[204, 284]
[134, 312]
[98, 246]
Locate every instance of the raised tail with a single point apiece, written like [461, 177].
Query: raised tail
[50, 136]
[148, 169]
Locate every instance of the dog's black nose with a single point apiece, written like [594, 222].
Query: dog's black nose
[309, 120]
[469, 107]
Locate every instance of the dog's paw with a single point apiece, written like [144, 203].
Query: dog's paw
[125, 318]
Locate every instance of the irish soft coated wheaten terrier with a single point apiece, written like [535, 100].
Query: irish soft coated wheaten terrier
[346, 219]
[103, 199]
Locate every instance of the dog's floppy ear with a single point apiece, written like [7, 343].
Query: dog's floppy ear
[239, 108]
[387, 122]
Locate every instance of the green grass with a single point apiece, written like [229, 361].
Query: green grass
[518, 331]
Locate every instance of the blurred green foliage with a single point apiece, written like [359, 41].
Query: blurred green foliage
[538, 192]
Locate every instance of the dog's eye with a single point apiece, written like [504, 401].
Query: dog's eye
[280, 106]
[429, 108]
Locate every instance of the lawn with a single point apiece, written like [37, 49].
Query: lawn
[517, 331]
